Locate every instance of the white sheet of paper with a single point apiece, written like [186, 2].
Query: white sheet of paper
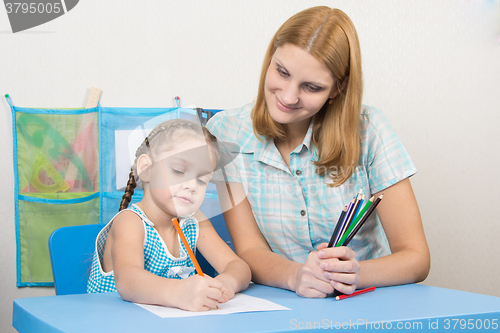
[239, 303]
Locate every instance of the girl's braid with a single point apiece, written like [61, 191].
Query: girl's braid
[144, 148]
[129, 191]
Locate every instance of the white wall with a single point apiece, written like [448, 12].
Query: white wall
[433, 67]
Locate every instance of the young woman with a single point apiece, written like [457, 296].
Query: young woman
[307, 146]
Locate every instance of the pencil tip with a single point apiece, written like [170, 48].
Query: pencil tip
[381, 196]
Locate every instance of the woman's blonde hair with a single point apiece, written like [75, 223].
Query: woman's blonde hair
[330, 36]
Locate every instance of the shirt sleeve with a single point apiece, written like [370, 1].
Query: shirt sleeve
[221, 126]
[384, 156]
[214, 124]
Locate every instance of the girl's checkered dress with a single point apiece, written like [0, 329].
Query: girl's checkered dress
[157, 258]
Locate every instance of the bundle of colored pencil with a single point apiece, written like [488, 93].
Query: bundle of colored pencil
[352, 218]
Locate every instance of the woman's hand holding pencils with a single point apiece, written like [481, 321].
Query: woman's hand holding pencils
[333, 267]
[351, 219]
[339, 267]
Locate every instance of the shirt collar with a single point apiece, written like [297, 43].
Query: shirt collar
[265, 151]
[307, 142]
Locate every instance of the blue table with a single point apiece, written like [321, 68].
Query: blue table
[414, 306]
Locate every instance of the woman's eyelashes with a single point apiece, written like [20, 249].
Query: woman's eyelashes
[306, 86]
[312, 87]
[282, 72]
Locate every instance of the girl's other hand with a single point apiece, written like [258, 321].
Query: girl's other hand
[228, 290]
[199, 293]
[340, 266]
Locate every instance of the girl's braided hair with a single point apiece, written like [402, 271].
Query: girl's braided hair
[162, 138]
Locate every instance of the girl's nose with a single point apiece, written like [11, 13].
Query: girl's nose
[190, 184]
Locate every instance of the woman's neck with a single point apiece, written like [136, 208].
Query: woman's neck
[295, 134]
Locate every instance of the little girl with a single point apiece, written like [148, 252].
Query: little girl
[138, 253]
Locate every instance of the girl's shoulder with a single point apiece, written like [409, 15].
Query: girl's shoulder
[127, 214]
[130, 218]
[127, 219]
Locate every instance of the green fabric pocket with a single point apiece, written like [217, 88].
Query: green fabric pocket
[37, 221]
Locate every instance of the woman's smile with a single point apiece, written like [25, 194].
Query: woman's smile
[283, 107]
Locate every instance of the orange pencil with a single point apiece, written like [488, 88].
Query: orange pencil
[186, 245]
[359, 292]
[181, 234]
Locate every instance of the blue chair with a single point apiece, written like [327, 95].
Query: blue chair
[71, 250]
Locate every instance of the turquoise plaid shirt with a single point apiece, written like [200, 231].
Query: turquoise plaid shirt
[294, 208]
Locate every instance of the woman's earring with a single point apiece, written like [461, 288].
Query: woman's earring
[330, 101]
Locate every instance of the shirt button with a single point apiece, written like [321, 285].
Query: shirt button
[298, 172]
[303, 212]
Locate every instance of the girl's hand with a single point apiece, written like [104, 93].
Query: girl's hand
[199, 293]
[340, 266]
[228, 290]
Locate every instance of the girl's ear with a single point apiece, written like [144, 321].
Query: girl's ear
[143, 166]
